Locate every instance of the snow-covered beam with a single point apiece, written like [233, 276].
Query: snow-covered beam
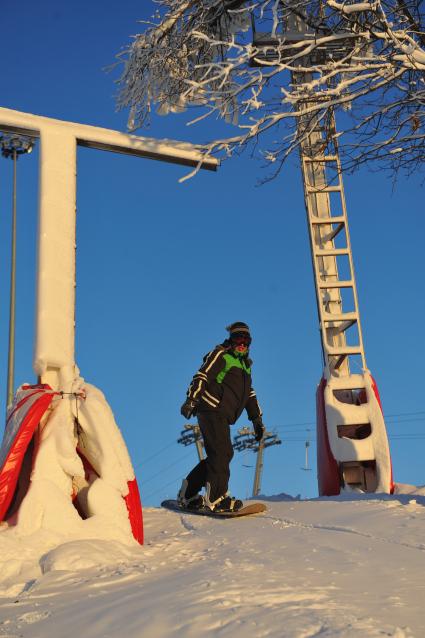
[55, 311]
[108, 140]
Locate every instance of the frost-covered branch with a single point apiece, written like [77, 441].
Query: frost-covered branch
[261, 64]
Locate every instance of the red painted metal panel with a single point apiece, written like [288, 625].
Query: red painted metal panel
[327, 467]
[132, 501]
[134, 507]
[29, 420]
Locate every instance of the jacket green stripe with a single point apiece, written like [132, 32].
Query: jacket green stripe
[223, 383]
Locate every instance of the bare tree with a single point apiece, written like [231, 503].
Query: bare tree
[267, 65]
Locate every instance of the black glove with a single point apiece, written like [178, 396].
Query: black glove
[259, 428]
[188, 409]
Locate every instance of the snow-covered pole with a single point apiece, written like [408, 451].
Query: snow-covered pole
[55, 310]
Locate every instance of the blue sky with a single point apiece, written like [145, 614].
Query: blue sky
[163, 267]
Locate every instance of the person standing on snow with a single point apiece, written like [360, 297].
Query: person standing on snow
[218, 393]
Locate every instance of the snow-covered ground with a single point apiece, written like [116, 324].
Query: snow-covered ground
[351, 566]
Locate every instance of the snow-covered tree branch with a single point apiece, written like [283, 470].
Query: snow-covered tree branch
[262, 64]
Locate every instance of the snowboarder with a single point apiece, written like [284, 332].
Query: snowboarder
[218, 394]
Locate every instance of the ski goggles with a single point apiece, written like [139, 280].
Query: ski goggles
[240, 339]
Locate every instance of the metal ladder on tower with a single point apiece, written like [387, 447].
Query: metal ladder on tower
[335, 284]
[352, 445]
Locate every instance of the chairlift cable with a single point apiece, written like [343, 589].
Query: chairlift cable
[142, 483]
[153, 456]
[175, 480]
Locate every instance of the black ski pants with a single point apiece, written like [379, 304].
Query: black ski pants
[215, 469]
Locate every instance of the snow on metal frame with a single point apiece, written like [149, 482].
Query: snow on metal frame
[54, 359]
[54, 340]
[107, 139]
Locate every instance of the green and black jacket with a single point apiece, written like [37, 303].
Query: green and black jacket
[223, 384]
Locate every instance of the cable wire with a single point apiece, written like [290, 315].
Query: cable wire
[153, 456]
[178, 478]
[148, 480]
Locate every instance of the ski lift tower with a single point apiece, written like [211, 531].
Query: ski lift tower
[245, 440]
[352, 444]
[192, 434]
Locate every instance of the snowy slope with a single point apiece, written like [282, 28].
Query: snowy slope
[350, 566]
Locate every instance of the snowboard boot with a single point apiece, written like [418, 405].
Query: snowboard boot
[228, 504]
[224, 503]
[194, 502]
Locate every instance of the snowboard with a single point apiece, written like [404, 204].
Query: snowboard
[247, 510]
